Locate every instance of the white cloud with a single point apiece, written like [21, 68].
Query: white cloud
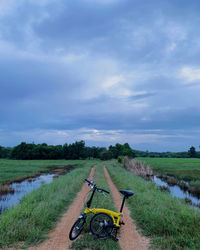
[116, 86]
[175, 31]
[89, 135]
[102, 2]
[8, 7]
[112, 81]
[190, 74]
[172, 46]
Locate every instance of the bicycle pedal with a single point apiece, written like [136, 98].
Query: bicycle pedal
[121, 223]
[114, 238]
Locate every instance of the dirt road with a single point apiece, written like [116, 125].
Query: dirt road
[59, 237]
[129, 238]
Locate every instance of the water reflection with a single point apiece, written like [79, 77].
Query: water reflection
[176, 191]
[21, 189]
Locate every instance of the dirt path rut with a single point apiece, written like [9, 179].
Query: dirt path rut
[129, 238]
[59, 237]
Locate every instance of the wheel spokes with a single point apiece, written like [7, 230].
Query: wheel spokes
[102, 225]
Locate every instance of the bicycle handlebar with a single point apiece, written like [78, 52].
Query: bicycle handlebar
[103, 190]
[98, 189]
[89, 182]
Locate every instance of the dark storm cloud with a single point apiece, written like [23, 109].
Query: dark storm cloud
[127, 29]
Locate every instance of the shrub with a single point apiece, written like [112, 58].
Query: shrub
[120, 158]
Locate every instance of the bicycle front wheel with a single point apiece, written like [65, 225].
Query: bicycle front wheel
[77, 228]
[101, 225]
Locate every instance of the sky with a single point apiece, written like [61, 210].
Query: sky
[102, 71]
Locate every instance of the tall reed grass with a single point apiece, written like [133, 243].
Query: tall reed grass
[137, 167]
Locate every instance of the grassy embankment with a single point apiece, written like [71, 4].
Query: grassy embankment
[86, 240]
[11, 170]
[187, 169]
[182, 169]
[29, 222]
[168, 221]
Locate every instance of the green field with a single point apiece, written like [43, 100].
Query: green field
[18, 169]
[187, 169]
[169, 222]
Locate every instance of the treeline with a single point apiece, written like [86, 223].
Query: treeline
[77, 150]
[191, 153]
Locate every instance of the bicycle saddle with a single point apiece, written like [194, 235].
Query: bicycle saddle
[126, 193]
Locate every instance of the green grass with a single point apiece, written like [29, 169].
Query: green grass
[17, 169]
[86, 240]
[195, 183]
[29, 222]
[187, 169]
[168, 221]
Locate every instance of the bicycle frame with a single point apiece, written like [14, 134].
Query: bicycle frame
[109, 228]
[115, 216]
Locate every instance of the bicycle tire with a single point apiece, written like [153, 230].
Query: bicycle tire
[77, 228]
[101, 225]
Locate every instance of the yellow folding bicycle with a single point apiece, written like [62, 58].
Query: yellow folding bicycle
[105, 223]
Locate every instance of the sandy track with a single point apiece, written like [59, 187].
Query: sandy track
[129, 238]
[59, 237]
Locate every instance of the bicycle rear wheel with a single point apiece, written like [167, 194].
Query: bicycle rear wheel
[77, 228]
[101, 225]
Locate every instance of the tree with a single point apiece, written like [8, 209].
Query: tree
[119, 148]
[127, 151]
[4, 152]
[114, 151]
[106, 155]
[192, 152]
[76, 150]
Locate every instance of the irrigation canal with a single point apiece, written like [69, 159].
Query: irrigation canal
[19, 190]
[176, 191]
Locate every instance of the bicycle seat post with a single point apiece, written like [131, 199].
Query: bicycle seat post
[126, 194]
[124, 198]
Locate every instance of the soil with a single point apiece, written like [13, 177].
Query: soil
[59, 237]
[129, 238]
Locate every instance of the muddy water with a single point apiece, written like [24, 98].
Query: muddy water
[21, 189]
[176, 191]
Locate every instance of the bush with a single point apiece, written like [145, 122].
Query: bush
[120, 158]
[105, 155]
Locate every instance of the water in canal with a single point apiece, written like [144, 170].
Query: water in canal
[21, 189]
[176, 191]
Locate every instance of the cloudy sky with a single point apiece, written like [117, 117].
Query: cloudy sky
[103, 71]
